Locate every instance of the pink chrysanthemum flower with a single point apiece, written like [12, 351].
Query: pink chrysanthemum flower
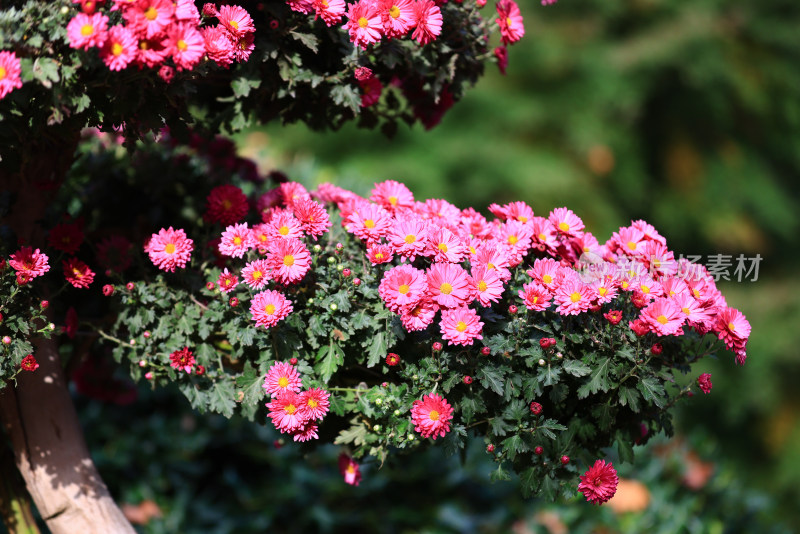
[289, 260]
[659, 260]
[473, 223]
[629, 241]
[256, 274]
[236, 20]
[350, 470]
[486, 285]
[439, 210]
[284, 224]
[292, 191]
[398, 17]
[428, 19]
[185, 10]
[364, 23]
[649, 231]
[78, 273]
[260, 233]
[566, 222]
[301, 6]
[544, 235]
[369, 221]
[431, 416]
[314, 404]
[149, 17]
[227, 281]
[573, 297]
[704, 381]
[517, 211]
[269, 307]
[169, 249]
[604, 290]
[10, 69]
[664, 317]
[599, 483]
[445, 246]
[536, 296]
[495, 257]
[306, 432]
[66, 237]
[236, 241]
[313, 217]
[672, 286]
[119, 49]
[87, 31]
[182, 359]
[732, 327]
[693, 312]
[402, 286]
[331, 11]
[448, 285]
[461, 326]
[408, 236]
[151, 52]
[392, 195]
[225, 204]
[284, 410]
[510, 21]
[282, 377]
[378, 253]
[114, 253]
[219, 47]
[419, 316]
[185, 44]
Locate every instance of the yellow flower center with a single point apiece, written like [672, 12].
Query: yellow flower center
[434, 415]
[283, 230]
[687, 311]
[143, 45]
[461, 326]
[522, 218]
[403, 289]
[363, 22]
[446, 288]
[394, 12]
[2, 72]
[542, 237]
[87, 30]
[351, 469]
[547, 279]
[312, 403]
[181, 44]
[410, 238]
[269, 309]
[482, 286]
[234, 24]
[625, 284]
[631, 245]
[116, 49]
[290, 409]
[442, 247]
[645, 289]
[602, 291]
[731, 327]
[169, 248]
[77, 273]
[696, 293]
[237, 240]
[283, 382]
[151, 13]
[662, 319]
[575, 297]
[508, 21]
[512, 240]
[536, 299]
[288, 260]
[379, 256]
[369, 223]
[564, 227]
[257, 275]
[393, 200]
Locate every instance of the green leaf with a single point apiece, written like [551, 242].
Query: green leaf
[470, 406]
[378, 348]
[334, 357]
[548, 426]
[576, 368]
[624, 449]
[549, 375]
[246, 336]
[356, 434]
[308, 39]
[346, 96]
[221, 398]
[499, 426]
[499, 474]
[491, 379]
[629, 397]
[514, 445]
[45, 70]
[652, 390]
[454, 440]
[599, 380]
[530, 481]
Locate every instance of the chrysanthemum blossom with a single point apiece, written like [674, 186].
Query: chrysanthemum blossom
[419, 316]
[236, 240]
[704, 381]
[149, 17]
[314, 404]
[284, 410]
[256, 274]
[169, 249]
[573, 297]
[397, 16]
[66, 237]
[236, 20]
[225, 204]
[402, 286]
[428, 19]
[119, 49]
[431, 416]
[566, 222]
[368, 221]
[87, 31]
[289, 260]
[260, 233]
[29, 263]
[510, 21]
[350, 470]
[392, 195]
[364, 23]
[306, 432]
[599, 482]
[408, 236]
[732, 327]
[371, 91]
[151, 52]
[269, 307]
[535, 296]
[185, 44]
[227, 281]
[10, 69]
[29, 363]
[445, 246]
[448, 285]
[330, 11]
[313, 217]
[461, 326]
[282, 377]
[664, 317]
[283, 224]
[182, 359]
[78, 273]
[486, 285]
[495, 257]
[218, 45]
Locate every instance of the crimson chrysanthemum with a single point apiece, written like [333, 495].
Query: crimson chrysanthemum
[29, 363]
[461, 326]
[704, 381]
[269, 307]
[169, 249]
[29, 263]
[289, 260]
[182, 359]
[225, 204]
[78, 273]
[282, 377]
[10, 70]
[599, 483]
[313, 218]
[431, 416]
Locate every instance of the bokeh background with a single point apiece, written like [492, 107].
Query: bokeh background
[685, 113]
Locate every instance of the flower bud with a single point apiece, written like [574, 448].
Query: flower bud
[356, 281]
[437, 346]
[233, 302]
[44, 304]
[564, 460]
[346, 272]
[340, 268]
[317, 248]
[542, 362]
[486, 351]
[142, 363]
[467, 380]
[129, 286]
[146, 334]
[490, 448]
[333, 306]
[538, 450]
[331, 260]
[210, 286]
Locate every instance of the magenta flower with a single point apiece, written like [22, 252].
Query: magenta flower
[461, 326]
[282, 377]
[289, 260]
[256, 274]
[486, 285]
[169, 249]
[704, 381]
[236, 241]
[269, 307]
[10, 69]
[78, 273]
[599, 482]
[431, 416]
[29, 263]
[448, 285]
[664, 317]
[402, 286]
[87, 31]
[350, 470]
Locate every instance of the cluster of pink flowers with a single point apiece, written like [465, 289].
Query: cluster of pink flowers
[10, 70]
[294, 411]
[154, 31]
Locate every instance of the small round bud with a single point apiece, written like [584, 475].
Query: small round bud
[437, 346]
[415, 377]
[376, 428]
[542, 362]
[51, 326]
[233, 302]
[356, 281]
[6, 340]
[559, 355]
[564, 460]
[44, 304]
[333, 306]
[108, 290]
[538, 450]
[146, 334]
[512, 309]
[340, 268]
[293, 361]
[331, 260]
[210, 286]
[310, 301]
[317, 248]
[384, 384]
[339, 246]
[536, 408]
[486, 351]
[200, 371]
[132, 342]
[346, 272]
[274, 24]
[129, 286]
[490, 448]
[378, 401]
[467, 380]
[657, 349]
[411, 437]
[148, 375]
[142, 363]
[397, 413]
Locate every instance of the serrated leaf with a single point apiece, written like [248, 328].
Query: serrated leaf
[356, 434]
[221, 398]
[529, 480]
[629, 397]
[378, 348]
[576, 368]
[308, 39]
[499, 474]
[624, 449]
[499, 426]
[514, 445]
[246, 336]
[346, 96]
[334, 357]
[491, 379]
[454, 440]
[45, 70]
[599, 380]
[548, 426]
[652, 390]
[470, 406]
[549, 375]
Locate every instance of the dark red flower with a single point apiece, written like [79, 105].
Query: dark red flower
[599, 483]
[29, 363]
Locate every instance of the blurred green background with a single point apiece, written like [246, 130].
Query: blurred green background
[683, 113]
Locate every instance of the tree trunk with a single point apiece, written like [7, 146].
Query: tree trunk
[37, 413]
